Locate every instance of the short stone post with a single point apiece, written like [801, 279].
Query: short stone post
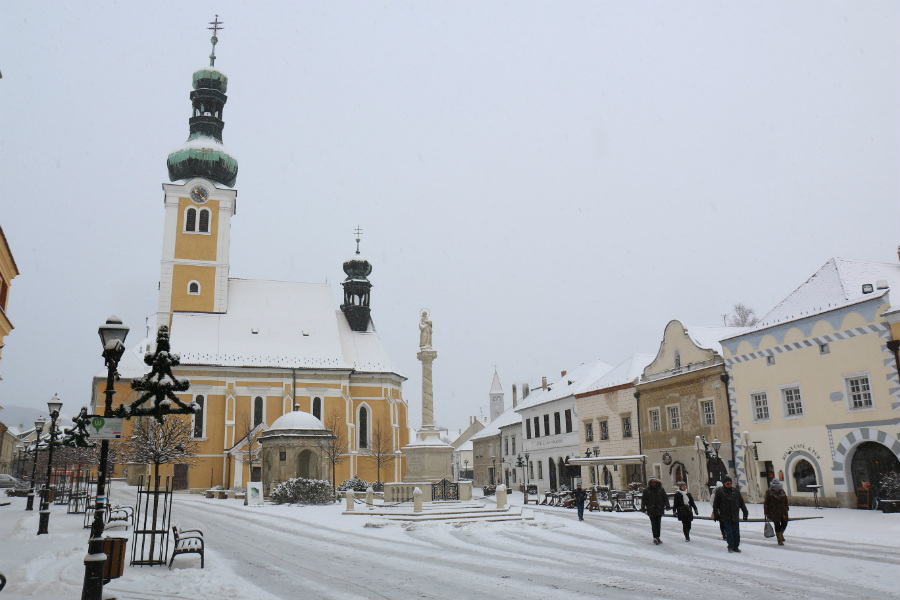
[501, 496]
[349, 496]
[370, 497]
[417, 500]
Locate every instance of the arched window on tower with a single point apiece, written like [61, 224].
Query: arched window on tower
[363, 427]
[190, 219]
[194, 288]
[317, 408]
[204, 220]
[257, 411]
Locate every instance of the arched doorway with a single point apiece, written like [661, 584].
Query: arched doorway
[308, 465]
[870, 462]
[552, 470]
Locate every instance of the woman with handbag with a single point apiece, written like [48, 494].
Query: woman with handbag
[775, 507]
[682, 504]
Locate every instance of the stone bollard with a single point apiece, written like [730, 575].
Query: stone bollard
[417, 500]
[501, 496]
[349, 495]
[370, 497]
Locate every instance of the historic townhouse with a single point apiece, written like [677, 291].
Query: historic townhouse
[814, 390]
[487, 448]
[682, 400]
[550, 426]
[610, 435]
[8, 271]
[254, 349]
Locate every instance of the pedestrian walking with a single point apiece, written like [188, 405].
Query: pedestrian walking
[682, 504]
[655, 503]
[580, 496]
[712, 501]
[726, 507]
[775, 507]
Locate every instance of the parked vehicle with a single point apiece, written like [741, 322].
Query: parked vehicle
[8, 481]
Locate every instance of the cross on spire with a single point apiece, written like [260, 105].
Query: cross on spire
[216, 26]
[358, 231]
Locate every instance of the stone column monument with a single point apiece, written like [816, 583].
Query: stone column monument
[427, 457]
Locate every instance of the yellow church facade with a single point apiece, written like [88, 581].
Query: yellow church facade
[255, 350]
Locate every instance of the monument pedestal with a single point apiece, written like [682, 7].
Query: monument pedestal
[428, 458]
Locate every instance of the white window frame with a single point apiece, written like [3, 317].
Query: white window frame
[848, 393]
[753, 408]
[199, 287]
[627, 432]
[783, 392]
[589, 431]
[703, 403]
[676, 422]
[369, 418]
[655, 423]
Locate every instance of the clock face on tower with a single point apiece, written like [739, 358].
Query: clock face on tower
[199, 194]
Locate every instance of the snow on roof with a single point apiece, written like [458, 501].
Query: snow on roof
[296, 419]
[707, 338]
[625, 372]
[837, 284]
[573, 382]
[466, 447]
[277, 324]
[509, 417]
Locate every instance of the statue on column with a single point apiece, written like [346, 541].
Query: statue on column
[425, 328]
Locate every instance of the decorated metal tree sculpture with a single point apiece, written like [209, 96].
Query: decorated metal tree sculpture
[78, 436]
[159, 385]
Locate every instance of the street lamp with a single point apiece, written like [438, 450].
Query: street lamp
[112, 337]
[716, 444]
[38, 428]
[466, 461]
[493, 468]
[54, 406]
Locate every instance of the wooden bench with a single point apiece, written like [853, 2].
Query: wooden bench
[187, 541]
[124, 514]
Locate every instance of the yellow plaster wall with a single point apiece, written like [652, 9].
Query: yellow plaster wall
[182, 275]
[197, 246]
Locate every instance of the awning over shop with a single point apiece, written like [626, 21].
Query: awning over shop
[595, 461]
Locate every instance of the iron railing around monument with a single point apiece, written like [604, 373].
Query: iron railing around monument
[444, 490]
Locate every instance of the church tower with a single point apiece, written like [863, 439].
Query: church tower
[356, 290]
[496, 397]
[199, 204]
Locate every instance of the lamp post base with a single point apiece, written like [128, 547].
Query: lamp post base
[44, 522]
[29, 505]
[94, 564]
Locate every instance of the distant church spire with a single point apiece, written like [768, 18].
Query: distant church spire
[496, 397]
[356, 289]
[203, 154]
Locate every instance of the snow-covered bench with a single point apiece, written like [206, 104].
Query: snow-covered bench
[123, 514]
[187, 541]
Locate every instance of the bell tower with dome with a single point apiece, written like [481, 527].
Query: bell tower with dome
[199, 204]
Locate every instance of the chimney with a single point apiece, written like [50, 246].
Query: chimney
[898, 251]
[525, 391]
[515, 396]
[563, 373]
[544, 383]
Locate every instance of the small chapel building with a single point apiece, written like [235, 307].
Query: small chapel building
[254, 349]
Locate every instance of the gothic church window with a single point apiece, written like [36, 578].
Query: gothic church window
[190, 220]
[198, 417]
[317, 408]
[363, 427]
[257, 411]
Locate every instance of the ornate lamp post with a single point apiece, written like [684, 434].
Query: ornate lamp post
[597, 467]
[54, 406]
[716, 444]
[38, 428]
[493, 469]
[112, 336]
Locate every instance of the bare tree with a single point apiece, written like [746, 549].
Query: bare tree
[382, 447]
[246, 431]
[336, 445]
[160, 442]
[743, 316]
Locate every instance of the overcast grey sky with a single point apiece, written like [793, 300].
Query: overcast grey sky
[555, 181]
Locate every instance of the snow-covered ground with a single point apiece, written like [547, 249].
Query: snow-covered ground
[294, 552]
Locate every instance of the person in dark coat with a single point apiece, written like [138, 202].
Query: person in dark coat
[580, 497]
[712, 501]
[727, 505]
[682, 504]
[655, 503]
[775, 506]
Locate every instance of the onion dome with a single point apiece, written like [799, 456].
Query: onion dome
[203, 154]
[356, 290]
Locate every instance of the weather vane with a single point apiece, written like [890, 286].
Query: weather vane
[358, 233]
[216, 26]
